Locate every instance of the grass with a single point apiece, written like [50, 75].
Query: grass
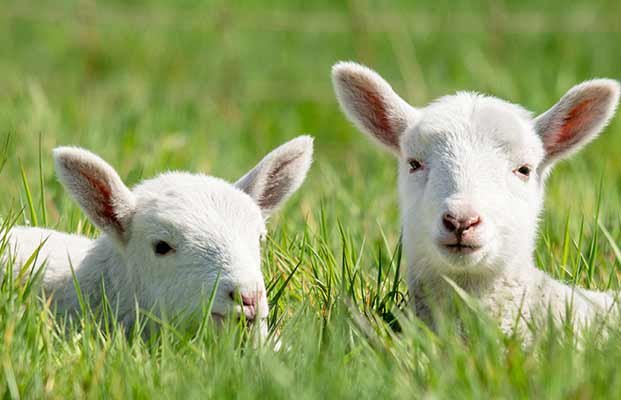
[212, 86]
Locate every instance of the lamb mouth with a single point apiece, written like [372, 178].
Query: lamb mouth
[461, 248]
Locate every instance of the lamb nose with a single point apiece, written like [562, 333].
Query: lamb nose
[459, 225]
[249, 301]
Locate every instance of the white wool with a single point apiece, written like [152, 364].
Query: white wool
[468, 150]
[214, 228]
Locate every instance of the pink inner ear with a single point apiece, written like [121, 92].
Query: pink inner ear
[377, 119]
[574, 125]
[105, 209]
[575, 119]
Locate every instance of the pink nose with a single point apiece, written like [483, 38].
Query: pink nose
[249, 300]
[459, 226]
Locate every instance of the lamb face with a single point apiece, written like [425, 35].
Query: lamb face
[468, 188]
[191, 232]
[471, 168]
[181, 236]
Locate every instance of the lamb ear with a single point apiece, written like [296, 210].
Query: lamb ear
[581, 114]
[279, 174]
[371, 104]
[97, 188]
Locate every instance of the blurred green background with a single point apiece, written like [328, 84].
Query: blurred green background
[212, 86]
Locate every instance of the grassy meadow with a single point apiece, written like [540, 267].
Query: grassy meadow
[212, 86]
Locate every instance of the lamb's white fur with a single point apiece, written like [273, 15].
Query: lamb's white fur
[215, 228]
[470, 147]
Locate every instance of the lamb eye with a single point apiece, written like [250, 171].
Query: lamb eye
[415, 165]
[523, 172]
[162, 248]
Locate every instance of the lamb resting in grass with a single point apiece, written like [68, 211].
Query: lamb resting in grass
[168, 241]
[472, 170]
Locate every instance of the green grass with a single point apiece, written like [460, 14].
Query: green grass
[211, 86]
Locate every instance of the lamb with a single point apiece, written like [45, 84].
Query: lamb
[166, 244]
[471, 179]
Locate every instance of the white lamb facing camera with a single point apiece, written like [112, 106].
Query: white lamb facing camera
[166, 242]
[472, 170]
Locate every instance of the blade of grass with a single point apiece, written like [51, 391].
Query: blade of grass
[42, 184]
[33, 214]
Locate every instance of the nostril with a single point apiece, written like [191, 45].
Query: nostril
[471, 222]
[249, 300]
[450, 222]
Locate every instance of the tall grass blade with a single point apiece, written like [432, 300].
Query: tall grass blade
[29, 201]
